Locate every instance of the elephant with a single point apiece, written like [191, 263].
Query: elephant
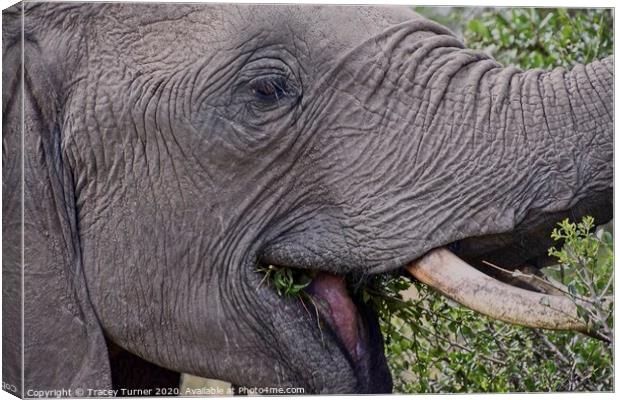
[156, 155]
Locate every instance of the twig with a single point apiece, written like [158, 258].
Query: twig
[583, 380]
[318, 317]
[607, 286]
[544, 282]
[495, 333]
[460, 346]
[551, 347]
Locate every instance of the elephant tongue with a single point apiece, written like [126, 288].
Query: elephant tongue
[337, 307]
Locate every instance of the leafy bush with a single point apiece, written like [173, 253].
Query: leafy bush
[590, 271]
[542, 38]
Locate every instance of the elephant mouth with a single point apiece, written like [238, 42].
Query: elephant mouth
[344, 323]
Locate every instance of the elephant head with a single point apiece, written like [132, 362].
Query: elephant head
[171, 150]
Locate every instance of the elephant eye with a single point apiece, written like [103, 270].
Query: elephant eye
[272, 89]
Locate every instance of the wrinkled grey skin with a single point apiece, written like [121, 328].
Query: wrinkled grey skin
[158, 172]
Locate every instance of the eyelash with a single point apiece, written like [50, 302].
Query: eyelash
[272, 88]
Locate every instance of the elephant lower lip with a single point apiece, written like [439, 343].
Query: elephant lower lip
[330, 295]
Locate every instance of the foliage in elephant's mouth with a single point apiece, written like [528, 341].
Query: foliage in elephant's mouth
[287, 281]
[291, 282]
[376, 290]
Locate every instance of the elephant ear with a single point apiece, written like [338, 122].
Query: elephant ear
[63, 343]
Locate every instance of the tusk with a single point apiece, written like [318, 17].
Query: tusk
[445, 272]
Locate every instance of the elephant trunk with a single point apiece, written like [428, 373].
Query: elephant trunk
[566, 119]
[514, 145]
